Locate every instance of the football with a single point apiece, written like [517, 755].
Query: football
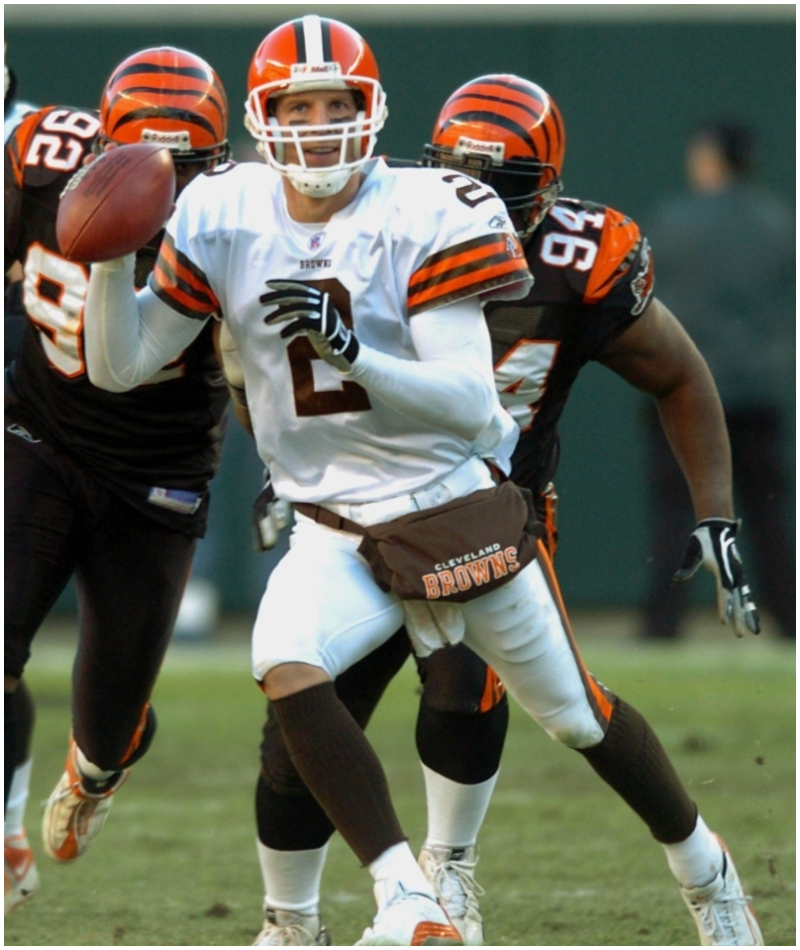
[116, 204]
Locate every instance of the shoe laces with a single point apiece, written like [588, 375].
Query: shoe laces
[290, 932]
[718, 913]
[455, 885]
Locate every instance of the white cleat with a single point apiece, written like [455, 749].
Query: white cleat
[284, 928]
[21, 876]
[408, 919]
[722, 911]
[451, 872]
[73, 814]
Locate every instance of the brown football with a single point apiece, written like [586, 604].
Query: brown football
[116, 204]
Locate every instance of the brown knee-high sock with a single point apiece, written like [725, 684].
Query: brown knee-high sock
[339, 766]
[634, 763]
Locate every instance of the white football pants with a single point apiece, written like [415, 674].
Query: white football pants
[323, 607]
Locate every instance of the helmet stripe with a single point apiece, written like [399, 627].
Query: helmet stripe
[501, 97]
[161, 91]
[327, 45]
[166, 112]
[299, 41]
[559, 129]
[493, 118]
[312, 34]
[524, 89]
[549, 144]
[137, 68]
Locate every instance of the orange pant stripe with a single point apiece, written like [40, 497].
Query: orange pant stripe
[599, 698]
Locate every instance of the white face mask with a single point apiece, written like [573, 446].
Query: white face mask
[355, 138]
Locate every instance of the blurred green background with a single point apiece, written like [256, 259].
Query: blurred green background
[630, 81]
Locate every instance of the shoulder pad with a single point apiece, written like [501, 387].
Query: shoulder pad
[620, 242]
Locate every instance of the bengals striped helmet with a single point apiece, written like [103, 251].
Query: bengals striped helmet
[507, 132]
[169, 97]
[305, 55]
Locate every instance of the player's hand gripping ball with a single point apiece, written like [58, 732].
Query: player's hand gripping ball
[116, 204]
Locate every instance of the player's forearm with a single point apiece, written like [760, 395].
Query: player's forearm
[440, 393]
[129, 336]
[451, 385]
[694, 424]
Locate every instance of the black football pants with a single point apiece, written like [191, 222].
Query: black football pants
[130, 573]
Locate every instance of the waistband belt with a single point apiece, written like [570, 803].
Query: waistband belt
[328, 518]
[472, 475]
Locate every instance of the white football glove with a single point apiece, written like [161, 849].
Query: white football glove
[270, 516]
[713, 545]
[314, 314]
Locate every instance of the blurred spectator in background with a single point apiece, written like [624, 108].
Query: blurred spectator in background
[726, 264]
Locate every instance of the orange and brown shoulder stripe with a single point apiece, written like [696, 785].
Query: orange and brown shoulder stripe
[181, 284]
[466, 269]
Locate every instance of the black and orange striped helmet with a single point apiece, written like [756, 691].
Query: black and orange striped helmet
[170, 97]
[507, 132]
[315, 53]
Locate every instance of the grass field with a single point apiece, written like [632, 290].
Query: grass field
[564, 862]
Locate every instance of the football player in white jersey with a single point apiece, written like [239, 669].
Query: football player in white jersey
[383, 408]
[353, 294]
[507, 131]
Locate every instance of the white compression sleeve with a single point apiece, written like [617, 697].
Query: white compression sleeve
[129, 336]
[451, 385]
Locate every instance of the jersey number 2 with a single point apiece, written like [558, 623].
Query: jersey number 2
[318, 388]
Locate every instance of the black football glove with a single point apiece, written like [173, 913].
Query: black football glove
[270, 516]
[313, 313]
[713, 545]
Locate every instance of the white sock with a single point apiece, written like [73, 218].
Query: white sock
[455, 811]
[17, 799]
[292, 878]
[90, 770]
[399, 864]
[697, 860]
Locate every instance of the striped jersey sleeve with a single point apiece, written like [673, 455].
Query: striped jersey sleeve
[620, 245]
[181, 284]
[466, 269]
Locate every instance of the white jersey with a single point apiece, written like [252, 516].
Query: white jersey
[412, 240]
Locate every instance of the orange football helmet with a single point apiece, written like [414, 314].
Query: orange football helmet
[169, 97]
[507, 132]
[315, 53]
